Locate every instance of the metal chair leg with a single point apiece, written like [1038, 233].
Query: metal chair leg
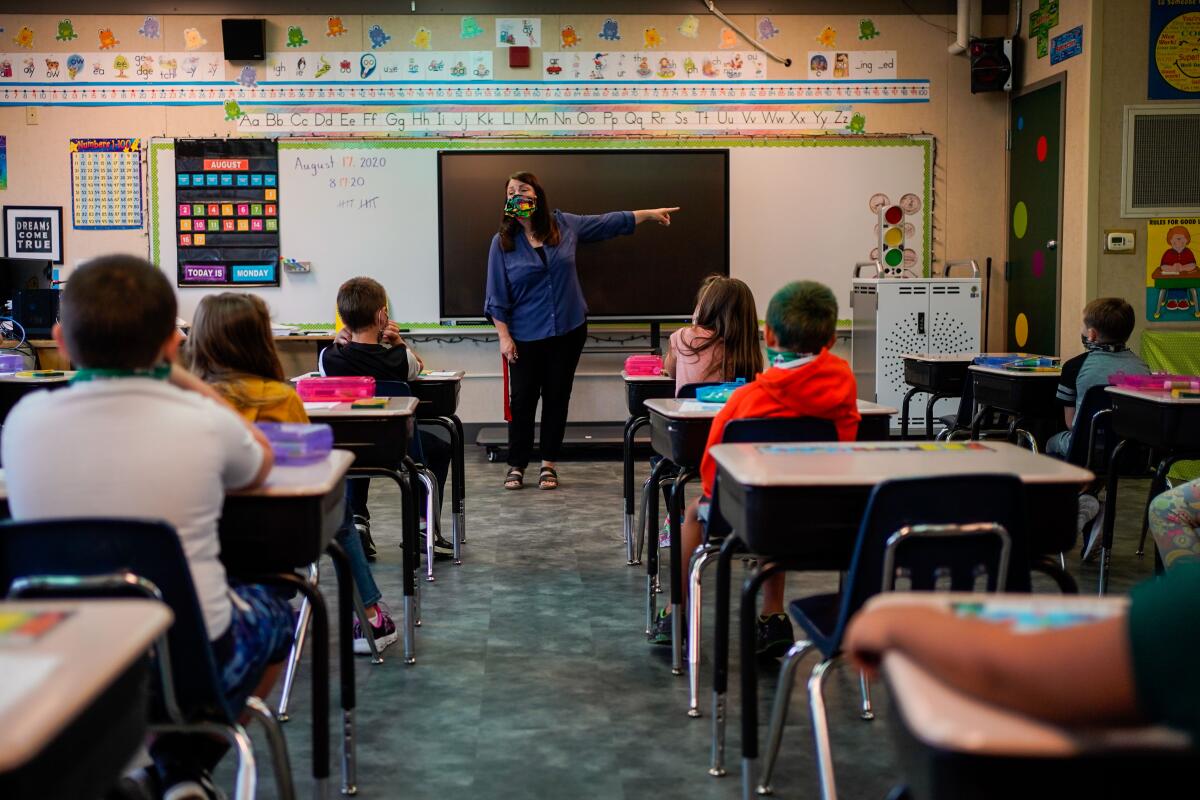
[652, 585]
[779, 710]
[247, 770]
[700, 559]
[1156, 488]
[431, 518]
[864, 685]
[297, 649]
[816, 706]
[721, 653]
[1028, 438]
[280, 763]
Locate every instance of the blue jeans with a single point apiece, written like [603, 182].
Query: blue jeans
[1059, 444]
[348, 538]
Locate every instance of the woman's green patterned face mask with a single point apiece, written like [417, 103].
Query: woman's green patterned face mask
[520, 206]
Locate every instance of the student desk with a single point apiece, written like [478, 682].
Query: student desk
[378, 438]
[274, 529]
[638, 389]
[679, 430]
[1020, 394]
[12, 389]
[1168, 425]
[940, 375]
[952, 745]
[800, 505]
[74, 708]
[437, 394]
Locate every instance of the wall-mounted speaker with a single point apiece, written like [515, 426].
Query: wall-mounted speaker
[244, 39]
[992, 65]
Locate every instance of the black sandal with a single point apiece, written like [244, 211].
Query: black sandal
[515, 479]
[547, 478]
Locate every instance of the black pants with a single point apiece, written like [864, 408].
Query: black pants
[544, 368]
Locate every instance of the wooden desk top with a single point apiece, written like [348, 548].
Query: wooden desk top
[945, 718]
[941, 358]
[396, 407]
[870, 463]
[306, 480]
[12, 378]
[1045, 372]
[303, 337]
[868, 409]
[52, 679]
[646, 378]
[1159, 396]
[670, 407]
[441, 376]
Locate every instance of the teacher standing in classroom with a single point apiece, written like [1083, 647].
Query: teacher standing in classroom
[536, 303]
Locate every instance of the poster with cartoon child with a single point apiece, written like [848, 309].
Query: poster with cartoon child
[1172, 275]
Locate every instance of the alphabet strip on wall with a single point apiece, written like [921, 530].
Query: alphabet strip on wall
[540, 121]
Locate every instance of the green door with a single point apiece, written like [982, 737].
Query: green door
[1035, 217]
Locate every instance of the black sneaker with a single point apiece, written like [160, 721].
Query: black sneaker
[363, 525]
[775, 636]
[660, 634]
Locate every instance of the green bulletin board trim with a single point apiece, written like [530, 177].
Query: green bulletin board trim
[925, 142]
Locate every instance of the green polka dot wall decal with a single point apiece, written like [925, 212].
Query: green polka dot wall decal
[1020, 219]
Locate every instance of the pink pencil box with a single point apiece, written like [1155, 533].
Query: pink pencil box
[330, 389]
[1156, 381]
[644, 365]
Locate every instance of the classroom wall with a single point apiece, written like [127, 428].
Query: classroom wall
[1124, 76]
[970, 177]
[1080, 156]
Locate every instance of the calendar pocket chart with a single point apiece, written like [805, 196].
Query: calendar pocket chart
[227, 212]
[106, 183]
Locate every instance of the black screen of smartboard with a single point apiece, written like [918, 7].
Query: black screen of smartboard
[653, 273]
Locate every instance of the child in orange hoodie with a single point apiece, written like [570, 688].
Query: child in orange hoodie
[804, 380]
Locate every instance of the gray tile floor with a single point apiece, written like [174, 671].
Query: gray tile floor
[533, 678]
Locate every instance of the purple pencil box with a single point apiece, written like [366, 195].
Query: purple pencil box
[296, 443]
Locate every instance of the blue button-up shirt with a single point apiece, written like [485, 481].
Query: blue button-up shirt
[539, 300]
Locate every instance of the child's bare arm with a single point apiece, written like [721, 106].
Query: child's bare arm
[1076, 675]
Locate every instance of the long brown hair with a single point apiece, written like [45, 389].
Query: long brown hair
[725, 306]
[542, 222]
[231, 339]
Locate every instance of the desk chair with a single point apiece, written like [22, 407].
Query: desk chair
[433, 506]
[664, 480]
[1093, 442]
[107, 557]
[761, 431]
[924, 529]
[959, 423]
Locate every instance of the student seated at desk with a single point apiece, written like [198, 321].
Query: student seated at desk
[1136, 666]
[371, 345]
[1107, 325]
[147, 439]
[232, 349]
[804, 380]
[1175, 524]
[721, 344]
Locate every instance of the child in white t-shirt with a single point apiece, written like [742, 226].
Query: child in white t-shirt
[145, 439]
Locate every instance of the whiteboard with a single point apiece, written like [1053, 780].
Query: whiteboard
[799, 209]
